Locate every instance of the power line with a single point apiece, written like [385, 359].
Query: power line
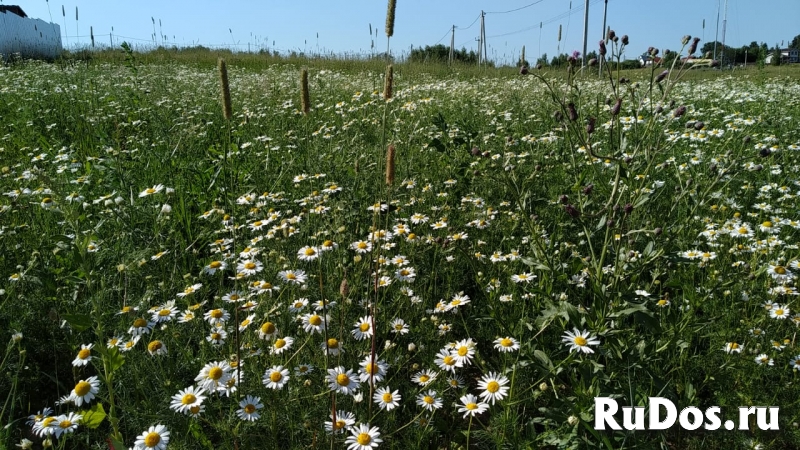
[551, 20]
[470, 25]
[445, 35]
[516, 9]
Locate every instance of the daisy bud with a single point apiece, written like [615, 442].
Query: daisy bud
[658, 231]
[573, 113]
[661, 76]
[543, 387]
[357, 259]
[572, 420]
[166, 209]
[227, 110]
[305, 101]
[411, 347]
[169, 190]
[603, 50]
[358, 398]
[624, 39]
[119, 200]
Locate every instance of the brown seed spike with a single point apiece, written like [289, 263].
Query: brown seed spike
[390, 153]
[305, 99]
[388, 84]
[390, 18]
[227, 109]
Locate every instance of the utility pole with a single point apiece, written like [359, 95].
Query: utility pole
[716, 33]
[540, 40]
[452, 43]
[724, 25]
[482, 44]
[585, 32]
[603, 37]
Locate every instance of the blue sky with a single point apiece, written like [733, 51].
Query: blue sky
[343, 25]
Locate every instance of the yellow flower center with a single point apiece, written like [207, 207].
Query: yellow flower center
[280, 343]
[387, 397]
[249, 409]
[767, 224]
[65, 424]
[363, 439]
[267, 328]
[150, 191]
[250, 265]
[327, 243]
[424, 378]
[215, 373]
[734, 346]
[333, 343]
[342, 379]
[471, 406]
[275, 376]
[154, 346]
[362, 245]
[234, 297]
[47, 421]
[139, 323]
[315, 320]
[216, 314]
[780, 270]
[428, 399]
[195, 409]
[84, 353]
[364, 327]
[188, 399]
[462, 351]
[448, 360]
[310, 252]
[493, 386]
[164, 312]
[82, 388]
[152, 439]
[506, 342]
[580, 341]
[215, 264]
[215, 336]
[339, 424]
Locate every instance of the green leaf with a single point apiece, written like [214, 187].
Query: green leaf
[542, 357]
[112, 356]
[78, 322]
[94, 416]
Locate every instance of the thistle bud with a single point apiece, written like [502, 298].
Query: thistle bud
[681, 110]
[693, 47]
[558, 116]
[658, 231]
[573, 113]
[628, 208]
[625, 39]
[616, 108]
[685, 40]
[764, 152]
[746, 139]
[592, 62]
[602, 48]
[659, 109]
[654, 52]
[572, 211]
[661, 76]
[699, 125]
[523, 70]
[590, 125]
[588, 189]
[611, 35]
[563, 199]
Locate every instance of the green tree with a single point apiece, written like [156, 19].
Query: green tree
[776, 56]
[795, 43]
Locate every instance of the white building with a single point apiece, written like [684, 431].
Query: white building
[32, 38]
[788, 55]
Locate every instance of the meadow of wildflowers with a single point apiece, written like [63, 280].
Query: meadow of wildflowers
[464, 263]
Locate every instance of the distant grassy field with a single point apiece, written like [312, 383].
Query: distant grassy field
[467, 264]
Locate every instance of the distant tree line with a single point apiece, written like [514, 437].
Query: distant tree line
[441, 53]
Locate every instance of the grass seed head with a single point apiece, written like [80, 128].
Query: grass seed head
[304, 96]
[390, 18]
[388, 84]
[227, 109]
[390, 165]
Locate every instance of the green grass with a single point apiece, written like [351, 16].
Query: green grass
[598, 223]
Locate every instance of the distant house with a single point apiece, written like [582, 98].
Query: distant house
[788, 56]
[30, 38]
[646, 60]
